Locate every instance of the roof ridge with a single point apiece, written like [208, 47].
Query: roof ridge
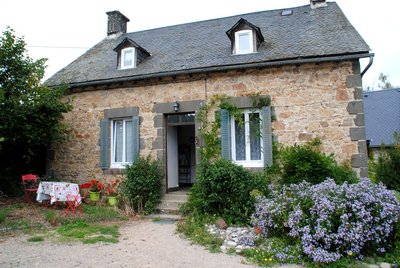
[220, 18]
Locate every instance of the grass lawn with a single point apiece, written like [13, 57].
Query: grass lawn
[97, 223]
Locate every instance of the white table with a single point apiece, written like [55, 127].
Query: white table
[57, 191]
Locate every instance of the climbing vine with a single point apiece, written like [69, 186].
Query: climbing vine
[210, 129]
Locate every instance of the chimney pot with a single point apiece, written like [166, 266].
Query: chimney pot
[318, 3]
[116, 22]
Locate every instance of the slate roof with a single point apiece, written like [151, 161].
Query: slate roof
[382, 115]
[306, 35]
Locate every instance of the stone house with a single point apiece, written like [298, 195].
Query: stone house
[137, 93]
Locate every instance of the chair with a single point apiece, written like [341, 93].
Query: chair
[73, 203]
[30, 184]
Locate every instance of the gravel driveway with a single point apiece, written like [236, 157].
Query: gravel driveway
[142, 244]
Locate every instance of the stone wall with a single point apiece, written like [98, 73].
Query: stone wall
[310, 100]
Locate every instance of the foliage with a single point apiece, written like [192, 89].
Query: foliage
[275, 250]
[331, 221]
[293, 164]
[3, 215]
[36, 239]
[89, 233]
[223, 188]
[30, 113]
[194, 227]
[388, 165]
[385, 84]
[142, 185]
[112, 188]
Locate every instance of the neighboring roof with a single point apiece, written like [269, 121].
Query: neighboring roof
[308, 35]
[382, 115]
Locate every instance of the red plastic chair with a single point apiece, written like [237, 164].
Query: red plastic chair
[30, 184]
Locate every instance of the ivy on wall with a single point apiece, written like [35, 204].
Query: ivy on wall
[210, 129]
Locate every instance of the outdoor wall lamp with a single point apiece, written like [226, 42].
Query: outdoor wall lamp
[176, 106]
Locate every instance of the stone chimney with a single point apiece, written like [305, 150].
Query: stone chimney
[116, 22]
[318, 3]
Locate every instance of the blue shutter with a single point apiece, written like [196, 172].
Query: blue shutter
[225, 135]
[266, 135]
[104, 143]
[135, 137]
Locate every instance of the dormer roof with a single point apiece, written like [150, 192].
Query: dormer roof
[127, 42]
[244, 24]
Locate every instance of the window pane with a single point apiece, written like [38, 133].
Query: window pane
[129, 142]
[240, 143]
[128, 58]
[188, 118]
[118, 140]
[173, 118]
[255, 142]
[244, 41]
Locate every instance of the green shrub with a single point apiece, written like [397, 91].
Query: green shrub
[142, 185]
[388, 166]
[298, 163]
[223, 188]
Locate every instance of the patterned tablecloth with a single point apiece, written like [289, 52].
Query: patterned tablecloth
[57, 191]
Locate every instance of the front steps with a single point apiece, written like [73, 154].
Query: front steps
[168, 209]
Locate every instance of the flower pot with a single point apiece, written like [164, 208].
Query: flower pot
[113, 200]
[94, 196]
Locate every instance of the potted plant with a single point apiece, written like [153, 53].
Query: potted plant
[112, 190]
[94, 190]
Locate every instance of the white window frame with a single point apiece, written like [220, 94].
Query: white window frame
[238, 49]
[248, 162]
[123, 52]
[124, 163]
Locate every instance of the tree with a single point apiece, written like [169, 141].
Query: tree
[30, 113]
[384, 81]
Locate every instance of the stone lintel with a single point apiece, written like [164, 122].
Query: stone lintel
[184, 106]
[121, 112]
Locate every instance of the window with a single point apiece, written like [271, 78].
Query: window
[128, 58]
[246, 139]
[244, 42]
[121, 140]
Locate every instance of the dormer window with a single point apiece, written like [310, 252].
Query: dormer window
[244, 42]
[245, 37]
[130, 54]
[128, 58]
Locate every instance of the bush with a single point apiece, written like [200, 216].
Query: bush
[388, 166]
[331, 221]
[142, 185]
[306, 163]
[223, 188]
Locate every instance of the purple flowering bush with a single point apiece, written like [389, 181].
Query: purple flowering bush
[330, 221]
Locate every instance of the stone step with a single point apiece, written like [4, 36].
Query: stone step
[164, 217]
[176, 197]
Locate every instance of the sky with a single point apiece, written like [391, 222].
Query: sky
[62, 30]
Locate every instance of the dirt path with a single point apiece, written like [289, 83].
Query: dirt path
[142, 244]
